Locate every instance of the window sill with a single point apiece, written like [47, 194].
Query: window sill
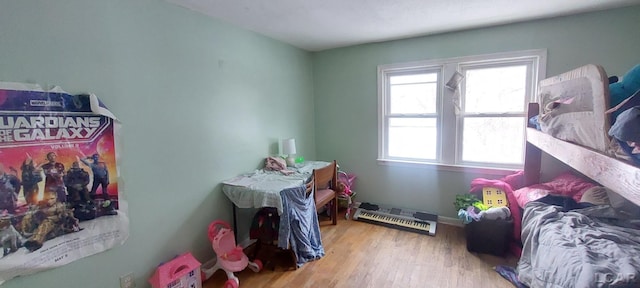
[444, 167]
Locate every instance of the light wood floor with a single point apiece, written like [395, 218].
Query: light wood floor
[365, 255]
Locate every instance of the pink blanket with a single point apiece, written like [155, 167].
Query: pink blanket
[566, 184]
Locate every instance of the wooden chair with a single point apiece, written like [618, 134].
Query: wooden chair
[324, 183]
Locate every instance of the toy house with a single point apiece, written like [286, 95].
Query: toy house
[493, 197]
[182, 271]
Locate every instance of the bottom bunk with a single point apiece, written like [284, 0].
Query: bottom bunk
[587, 247]
[568, 232]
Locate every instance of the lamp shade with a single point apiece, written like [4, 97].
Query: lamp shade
[289, 146]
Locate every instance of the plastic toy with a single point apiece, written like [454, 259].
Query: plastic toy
[183, 271]
[229, 257]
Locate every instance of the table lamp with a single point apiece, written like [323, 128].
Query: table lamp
[289, 149]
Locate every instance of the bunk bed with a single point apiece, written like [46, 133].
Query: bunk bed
[597, 246]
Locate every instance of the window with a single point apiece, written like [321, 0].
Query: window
[478, 123]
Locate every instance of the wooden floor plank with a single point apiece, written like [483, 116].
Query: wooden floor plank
[365, 255]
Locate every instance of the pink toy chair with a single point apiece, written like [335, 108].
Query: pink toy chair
[229, 257]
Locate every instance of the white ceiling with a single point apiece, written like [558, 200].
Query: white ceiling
[325, 24]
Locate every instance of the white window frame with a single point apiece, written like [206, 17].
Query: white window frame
[449, 157]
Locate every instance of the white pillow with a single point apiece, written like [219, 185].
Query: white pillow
[623, 206]
[596, 196]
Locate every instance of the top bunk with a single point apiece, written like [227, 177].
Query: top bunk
[574, 122]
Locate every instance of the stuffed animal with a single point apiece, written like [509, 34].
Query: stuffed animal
[626, 87]
[343, 189]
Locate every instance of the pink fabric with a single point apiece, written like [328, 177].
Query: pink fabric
[274, 164]
[568, 184]
[277, 164]
[525, 195]
[516, 180]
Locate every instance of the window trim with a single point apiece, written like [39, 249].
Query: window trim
[386, 115]
[450, 159]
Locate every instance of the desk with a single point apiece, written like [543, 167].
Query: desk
[262, 188]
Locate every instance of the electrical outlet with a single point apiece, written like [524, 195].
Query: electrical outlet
[127, 281]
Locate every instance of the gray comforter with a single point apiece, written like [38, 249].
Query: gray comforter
[589, 247]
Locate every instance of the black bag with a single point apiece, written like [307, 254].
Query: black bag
[489, 236]
[265, 225]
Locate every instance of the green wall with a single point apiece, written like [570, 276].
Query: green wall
[200, 101]
[346, 98]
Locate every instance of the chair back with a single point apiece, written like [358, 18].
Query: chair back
[326, 177]
[325, 181]
[309, 187]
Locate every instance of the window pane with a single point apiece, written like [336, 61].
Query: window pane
[498, 89]
[413, 98]
[493, 139]
[413, 138]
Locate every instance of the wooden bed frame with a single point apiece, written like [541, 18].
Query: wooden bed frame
[617, 175]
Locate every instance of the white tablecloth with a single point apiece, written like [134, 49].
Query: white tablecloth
[262, 188]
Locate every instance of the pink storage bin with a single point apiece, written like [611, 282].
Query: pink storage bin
[181, 272]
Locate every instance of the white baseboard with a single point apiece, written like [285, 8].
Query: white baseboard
[450, 221]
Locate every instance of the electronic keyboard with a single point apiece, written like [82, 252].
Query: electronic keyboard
[403, 219]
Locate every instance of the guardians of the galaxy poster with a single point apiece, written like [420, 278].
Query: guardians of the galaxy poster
[59, 194]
